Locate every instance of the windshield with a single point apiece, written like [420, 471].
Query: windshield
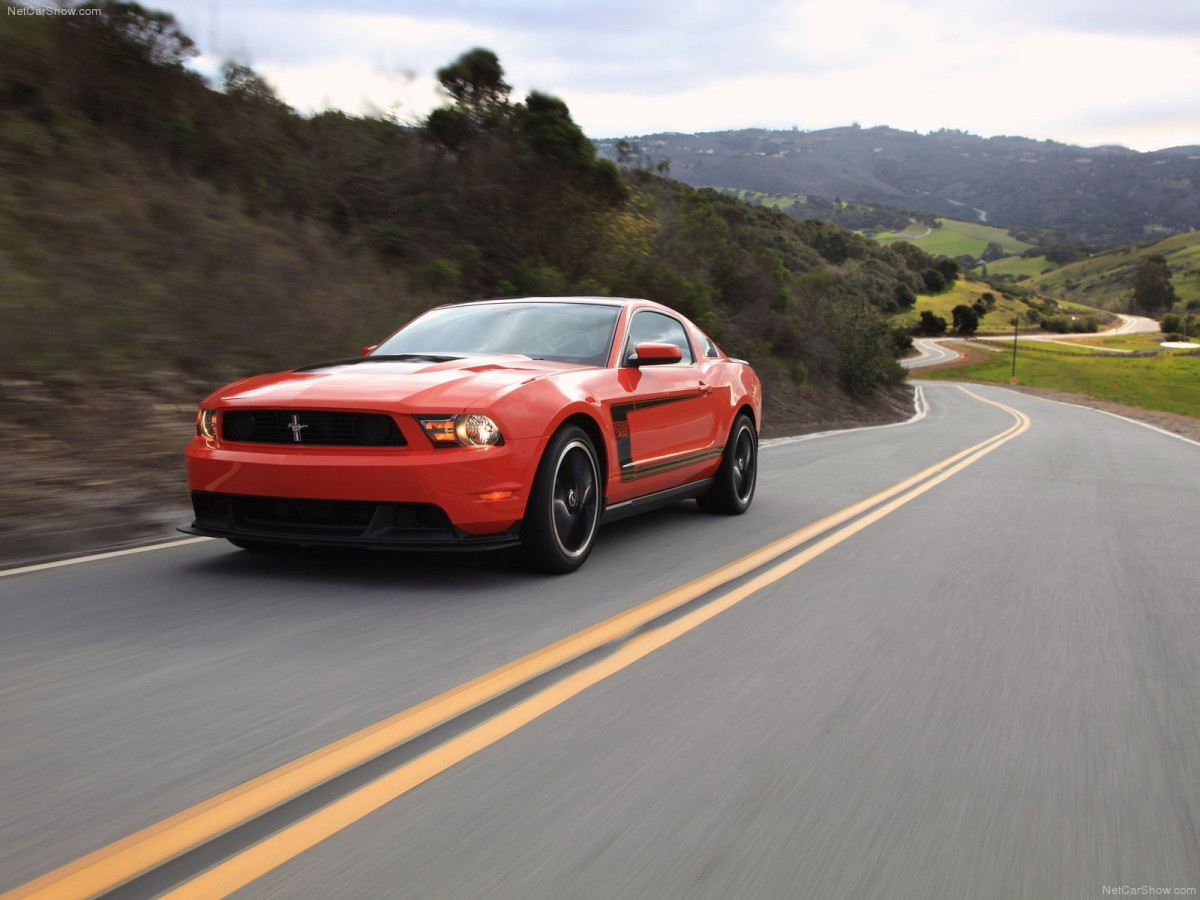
[564, 332]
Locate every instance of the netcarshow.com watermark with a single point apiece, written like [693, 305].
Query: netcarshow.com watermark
[1145, 890]
[55, 11]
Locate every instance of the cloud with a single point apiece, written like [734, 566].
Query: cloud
[1043, 68]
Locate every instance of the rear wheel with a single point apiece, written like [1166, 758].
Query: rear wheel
[563, 513]
[733, 488]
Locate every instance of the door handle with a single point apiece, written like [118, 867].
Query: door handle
[705, 388]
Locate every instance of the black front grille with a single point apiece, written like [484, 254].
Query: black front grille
[321, 429]
[317, 518]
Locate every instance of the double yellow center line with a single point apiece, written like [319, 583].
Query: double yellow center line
[120, 862]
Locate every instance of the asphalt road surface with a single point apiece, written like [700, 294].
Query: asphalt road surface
[951, 658]
[930, 352]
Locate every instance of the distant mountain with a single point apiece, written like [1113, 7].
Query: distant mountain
[1100, 195]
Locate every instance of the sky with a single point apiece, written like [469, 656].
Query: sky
[1085, 72]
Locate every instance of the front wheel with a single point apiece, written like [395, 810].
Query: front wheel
[733, 488]
[563, 513]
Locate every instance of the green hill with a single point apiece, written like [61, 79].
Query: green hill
[1106, 279]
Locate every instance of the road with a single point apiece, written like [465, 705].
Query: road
[933, 351]
[1135, 325]
[930, 352]
[969, 670]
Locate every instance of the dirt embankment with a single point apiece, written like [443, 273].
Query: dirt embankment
[91, 466]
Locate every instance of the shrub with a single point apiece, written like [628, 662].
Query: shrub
[930, 324]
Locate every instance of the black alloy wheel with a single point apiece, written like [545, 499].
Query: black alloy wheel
[733, 488]
[564, 507]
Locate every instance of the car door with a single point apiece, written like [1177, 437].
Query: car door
[663, 415]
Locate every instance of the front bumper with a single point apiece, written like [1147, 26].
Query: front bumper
[363, 497]
[336, 523]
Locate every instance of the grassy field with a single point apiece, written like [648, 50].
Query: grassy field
[1170, 383]
[955, 238]
[1017, 266]
[913, 233]
[1070, 349]
[1124, 342]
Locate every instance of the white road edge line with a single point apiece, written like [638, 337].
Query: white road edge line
[76, 560]
[1103, 412]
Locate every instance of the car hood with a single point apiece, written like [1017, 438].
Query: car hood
[397, 383]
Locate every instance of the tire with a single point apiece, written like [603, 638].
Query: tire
[733, 489]
[564, 506]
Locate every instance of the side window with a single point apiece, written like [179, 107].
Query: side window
[653, 327]
[710, 349]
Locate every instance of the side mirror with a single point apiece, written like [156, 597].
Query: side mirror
[654, 355]
[366, 351]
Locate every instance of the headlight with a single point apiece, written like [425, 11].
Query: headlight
[206, 424]
[462, 431]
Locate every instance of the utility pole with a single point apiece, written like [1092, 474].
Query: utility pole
[1013, 379]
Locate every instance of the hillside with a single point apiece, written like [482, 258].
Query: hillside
[1100, 195]
[1106, 279]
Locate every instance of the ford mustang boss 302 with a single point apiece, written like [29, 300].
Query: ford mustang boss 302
[500, 423]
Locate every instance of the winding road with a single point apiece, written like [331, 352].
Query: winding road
[955, 657]
[933, 351]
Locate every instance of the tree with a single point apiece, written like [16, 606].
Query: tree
[449, 126]
[1152, 288]
[155, 35]
[902, 342]
[864, 346]
[931, 323]
[935, 282]
[949, 268]
[546, 123]
[966, 320]
[476, 82]
[904, 295]
[992, 252]
[241, 81]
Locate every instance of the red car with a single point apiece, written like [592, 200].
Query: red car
[482, 425]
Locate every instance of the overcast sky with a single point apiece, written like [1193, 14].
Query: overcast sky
[1084, 72]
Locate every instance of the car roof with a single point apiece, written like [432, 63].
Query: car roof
[591, 301]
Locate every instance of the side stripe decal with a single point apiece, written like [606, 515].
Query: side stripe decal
[630, 471]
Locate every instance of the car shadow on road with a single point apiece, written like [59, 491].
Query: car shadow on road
[497, 571]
